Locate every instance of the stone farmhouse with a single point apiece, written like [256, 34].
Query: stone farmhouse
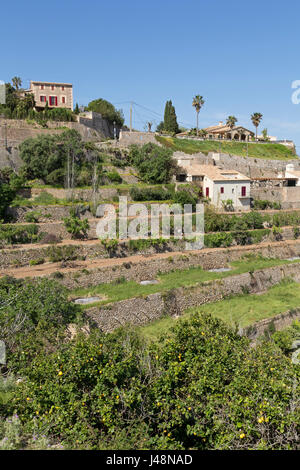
[222, 131]
[217, 184]
[57, 95]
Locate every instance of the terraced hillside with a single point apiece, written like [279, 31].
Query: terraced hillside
[264, 151]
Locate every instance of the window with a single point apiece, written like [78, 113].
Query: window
[53, 100]
[207, 192]
[243, 190]
[63, 99]
[52, 87]
[63, 88]
[42, 87]
[43, 99]
[222, 190]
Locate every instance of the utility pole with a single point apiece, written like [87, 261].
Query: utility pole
[131, 117]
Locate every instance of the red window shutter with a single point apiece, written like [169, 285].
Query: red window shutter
[207, 192]
[222, 190]
[243, 190]
[56, 101]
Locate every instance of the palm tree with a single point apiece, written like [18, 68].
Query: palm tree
[231, 121]
[17, 82]
[198, 102]
[256, 118]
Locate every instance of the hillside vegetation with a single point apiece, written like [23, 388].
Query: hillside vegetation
[265, 151]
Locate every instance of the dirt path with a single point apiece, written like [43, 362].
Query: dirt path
[49, 268]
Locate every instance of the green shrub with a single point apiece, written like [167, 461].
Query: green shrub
[114, 177]
[61, 253]
[150, 194]
[75, 226]
[34, 262]
[19, 233]
[32, 216]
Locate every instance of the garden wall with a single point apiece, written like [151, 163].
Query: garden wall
[139, 311]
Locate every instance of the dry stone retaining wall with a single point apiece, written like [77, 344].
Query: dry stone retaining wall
[139, 311]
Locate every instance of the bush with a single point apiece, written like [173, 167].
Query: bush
[61, 253]
[150, 194]
[154, 164]
[114, 177]
[185, 197]
[12, 234]
[201, 387]
[75, 226]
[32, 216]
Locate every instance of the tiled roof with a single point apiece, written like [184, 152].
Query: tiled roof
[212, 172]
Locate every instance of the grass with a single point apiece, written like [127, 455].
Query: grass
[121, 289]
[240, 309]
[265, 151]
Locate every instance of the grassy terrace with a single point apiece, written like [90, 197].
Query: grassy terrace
[241, 309]
[265, 151]
[121, 290]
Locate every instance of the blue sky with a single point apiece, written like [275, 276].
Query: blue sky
[242, 57]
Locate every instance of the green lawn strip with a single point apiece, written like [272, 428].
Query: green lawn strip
[121, 290]
[240, 309]
[265, 151]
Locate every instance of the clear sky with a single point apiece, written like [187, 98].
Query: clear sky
[242, 57]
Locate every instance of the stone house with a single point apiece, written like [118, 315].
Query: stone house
[217, 184]
[222, 131]
[57, 95]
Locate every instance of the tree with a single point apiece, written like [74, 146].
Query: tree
[17, 82]
[256, 118]
[107, 110]
[265, 134]
[160, 127]
[231, 121]
[76, 110]
[154, 164]
[170, 118]
[198, 102]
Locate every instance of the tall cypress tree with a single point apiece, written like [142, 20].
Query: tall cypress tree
[170, 119]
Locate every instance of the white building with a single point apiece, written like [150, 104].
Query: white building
[217, 184]
[290, 172]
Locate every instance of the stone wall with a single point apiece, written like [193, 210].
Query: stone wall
[278, 322]
[127, 138]
[45, 213]
[249, 166]
[289, 197]
[139, 311]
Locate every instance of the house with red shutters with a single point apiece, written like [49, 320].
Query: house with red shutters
[57, 95]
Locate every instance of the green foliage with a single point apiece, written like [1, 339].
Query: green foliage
[107, 110]
[48, 157]
[154, 164]
[267, 151]
[32, 216]
[10, 183]
[13, 234]
[150, 194]
[29, 310]
[170, 124]
[262, 204]
[201, 387]
[214, 240]
[75, 226]
[114, 177]
[185, 197]
[61, 253]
